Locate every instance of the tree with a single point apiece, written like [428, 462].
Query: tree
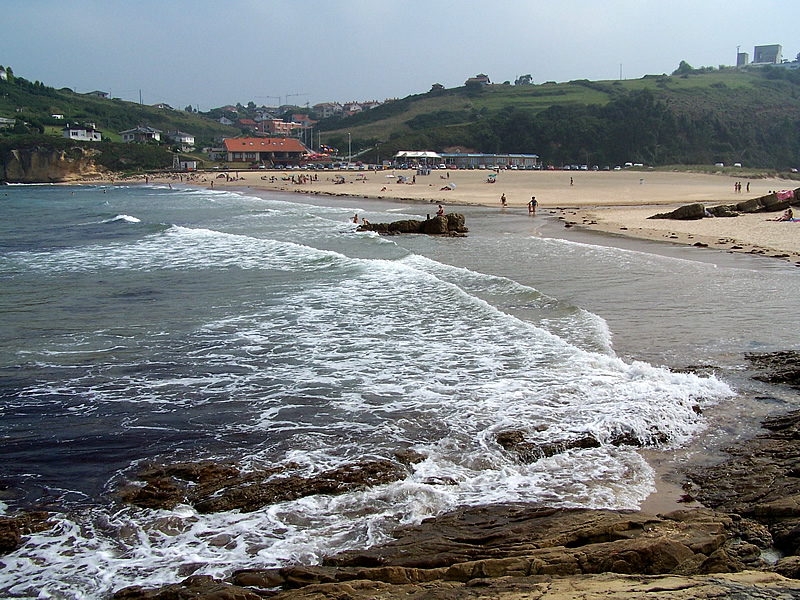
[684, 68]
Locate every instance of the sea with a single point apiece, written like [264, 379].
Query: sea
[151, 324]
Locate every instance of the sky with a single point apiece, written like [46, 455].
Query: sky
[209, 54]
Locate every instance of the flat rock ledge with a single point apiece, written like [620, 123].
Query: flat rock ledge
[449, 225]
[513, 551]
[768, 203]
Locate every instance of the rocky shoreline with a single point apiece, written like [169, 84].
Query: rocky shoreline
[743, 542]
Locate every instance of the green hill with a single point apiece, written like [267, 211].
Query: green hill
[695, 116]
[34, 103]
[700, 116]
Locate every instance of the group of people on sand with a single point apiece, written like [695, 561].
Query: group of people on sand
[737, 187]
[531, 205]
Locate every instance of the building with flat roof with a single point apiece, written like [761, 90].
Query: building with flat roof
[767, 55]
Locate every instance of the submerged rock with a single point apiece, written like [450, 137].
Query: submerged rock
[212, 487]
[14, 528]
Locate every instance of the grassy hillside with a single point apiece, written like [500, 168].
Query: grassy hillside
[35, 103]
[704, 116]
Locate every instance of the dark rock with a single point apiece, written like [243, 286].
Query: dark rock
[212, 487]
[10, 536]
[407, 226]
[409, 457]
[530, 451]
[435, 226]
[777, 367]
[451, 224]
[683, 213]
[197, 587]
[723, 210]
[13, 528]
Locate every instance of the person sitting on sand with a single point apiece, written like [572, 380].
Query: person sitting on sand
[787, 216]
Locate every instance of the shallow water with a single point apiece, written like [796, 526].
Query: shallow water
[146, 323]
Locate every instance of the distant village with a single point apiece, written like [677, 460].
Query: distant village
[284, 134]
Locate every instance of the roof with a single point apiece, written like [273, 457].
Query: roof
[141, 129]
[410, 154]
[266, 144]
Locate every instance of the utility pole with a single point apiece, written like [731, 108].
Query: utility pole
[349, 148]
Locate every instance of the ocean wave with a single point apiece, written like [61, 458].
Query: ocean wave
[126, 218]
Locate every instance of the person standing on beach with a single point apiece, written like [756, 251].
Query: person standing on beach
[571, 182]
[532, 206]
[503, 200]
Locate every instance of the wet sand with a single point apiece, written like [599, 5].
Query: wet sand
[618, 202]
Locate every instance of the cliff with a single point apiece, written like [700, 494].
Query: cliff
[47, 165]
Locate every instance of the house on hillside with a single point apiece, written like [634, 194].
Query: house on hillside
[185, 140]
[304, 120]
[3, 74]
[479, 78]
[268, 151]
[249, 124]
[97, 93]
[277, 127]
[163, 106]
[225, 120]
[6, 123]
[82, 133]
[353, 107]
[141, 134]
[327, 109]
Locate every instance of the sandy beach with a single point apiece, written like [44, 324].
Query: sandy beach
[618, 202]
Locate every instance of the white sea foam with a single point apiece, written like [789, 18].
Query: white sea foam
[126, 218]
[335, 358]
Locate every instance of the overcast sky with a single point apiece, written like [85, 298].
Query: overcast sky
[211, 53]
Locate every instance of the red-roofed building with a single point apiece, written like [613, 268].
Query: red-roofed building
[266, 150]
[246, 124]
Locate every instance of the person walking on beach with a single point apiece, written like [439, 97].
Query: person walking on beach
[503, 200]
[532, 206]
[571, 182]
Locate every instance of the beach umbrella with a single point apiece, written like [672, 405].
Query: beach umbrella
[452, 186]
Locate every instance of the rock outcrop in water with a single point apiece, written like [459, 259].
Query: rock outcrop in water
[212, 487]
[451, 224]
[516, 551]
[768, 203]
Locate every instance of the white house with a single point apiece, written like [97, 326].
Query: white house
[6, 123]
[225, 121]
[327, 109]
[186, 140]
[82, 133]
[141, 134]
